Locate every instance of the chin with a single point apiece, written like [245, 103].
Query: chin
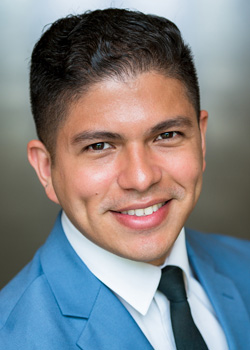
[150, 254]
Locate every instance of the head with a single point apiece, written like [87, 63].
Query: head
[79, 51]
[122, 139]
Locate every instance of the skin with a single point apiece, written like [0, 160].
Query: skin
[124, 146]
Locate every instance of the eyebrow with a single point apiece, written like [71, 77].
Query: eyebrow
[89, 135]
[171, 123]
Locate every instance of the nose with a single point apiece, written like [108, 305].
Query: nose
[139, 171]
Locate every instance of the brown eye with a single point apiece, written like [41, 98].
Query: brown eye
[166, 135]
[99, 146]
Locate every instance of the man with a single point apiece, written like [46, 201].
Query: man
[121, 148]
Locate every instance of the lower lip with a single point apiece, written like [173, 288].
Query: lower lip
[143, 222]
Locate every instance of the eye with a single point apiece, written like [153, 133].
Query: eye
[167, 135]
[99, 146]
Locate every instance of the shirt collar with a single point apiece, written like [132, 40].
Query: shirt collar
[135, 282]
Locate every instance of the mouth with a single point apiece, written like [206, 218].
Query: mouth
[144, 211]
[146, 218]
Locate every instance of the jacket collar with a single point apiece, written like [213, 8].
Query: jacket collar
[222, 292]
[80, 294]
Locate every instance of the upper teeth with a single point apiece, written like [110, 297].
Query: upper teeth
[145, 211]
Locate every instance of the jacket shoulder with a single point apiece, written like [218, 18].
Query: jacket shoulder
[14, 292]
[217, 243]
[30, 317]
[229, 255]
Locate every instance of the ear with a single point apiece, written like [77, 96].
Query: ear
[40, 160]
[203, 129]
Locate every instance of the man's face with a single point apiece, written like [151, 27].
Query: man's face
[129, 163]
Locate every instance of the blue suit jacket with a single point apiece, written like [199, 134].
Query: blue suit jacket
[55, 302]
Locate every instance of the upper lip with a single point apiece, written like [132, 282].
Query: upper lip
[141, 205]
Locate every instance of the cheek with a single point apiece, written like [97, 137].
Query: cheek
[93, 181]
[185, 168]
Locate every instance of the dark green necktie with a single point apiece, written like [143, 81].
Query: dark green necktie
[186, 334]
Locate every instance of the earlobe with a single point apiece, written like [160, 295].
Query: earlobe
[203, 128]
[40, 160]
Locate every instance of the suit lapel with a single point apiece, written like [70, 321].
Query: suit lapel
[224, 296]
[104, 323]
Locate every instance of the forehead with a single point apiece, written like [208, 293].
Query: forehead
[137, 102]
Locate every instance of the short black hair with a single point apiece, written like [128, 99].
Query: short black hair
[78, 51]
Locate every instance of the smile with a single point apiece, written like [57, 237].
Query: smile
[145, 211]
[141, 219]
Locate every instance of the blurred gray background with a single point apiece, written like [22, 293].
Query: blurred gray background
[218, 32]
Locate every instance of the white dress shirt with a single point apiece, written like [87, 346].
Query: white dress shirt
[136, 287]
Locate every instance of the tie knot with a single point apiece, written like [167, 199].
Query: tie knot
[172, 284]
